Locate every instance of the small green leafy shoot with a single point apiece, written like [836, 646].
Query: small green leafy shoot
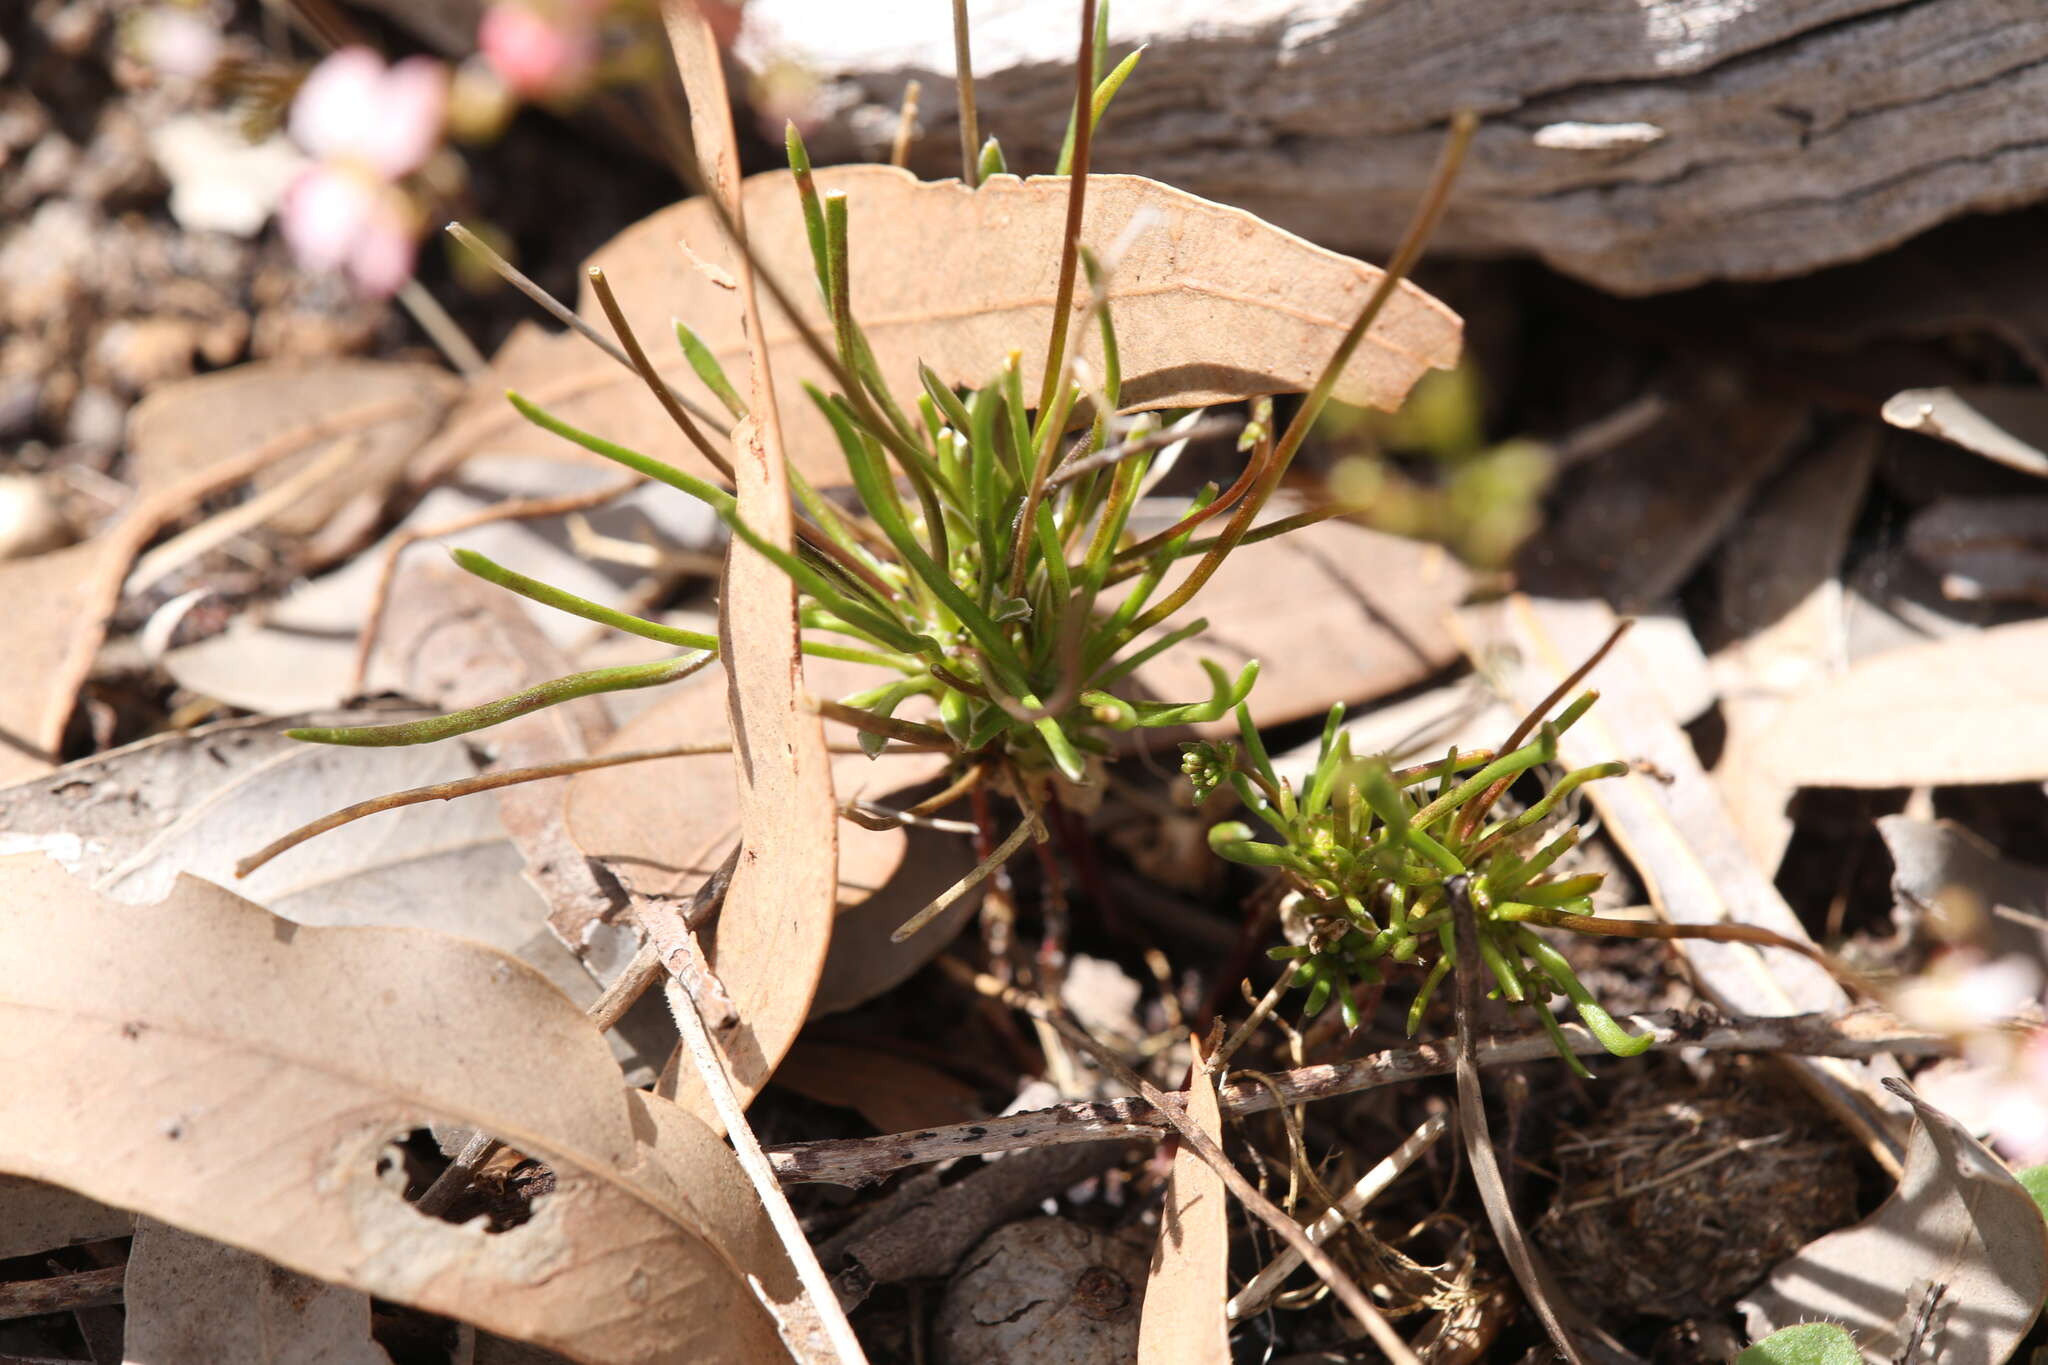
[1368, 849]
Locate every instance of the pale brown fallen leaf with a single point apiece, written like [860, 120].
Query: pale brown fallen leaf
[1956, 1258]
[1671, 823]
[662, 829]
[1210, 304]
[1183, 1322]
[894, 1093]
[272, 1066]
[185, 443]
[789, 851]
[2008, 424]
[132, 821]
[38, 1217]
[1967, 710]
[190, 1299]
[1334, 612]
[300, 409]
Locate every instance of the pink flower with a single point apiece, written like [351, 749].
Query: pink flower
[338, 217]
[369, 125]
[354, 107]
[541, 55]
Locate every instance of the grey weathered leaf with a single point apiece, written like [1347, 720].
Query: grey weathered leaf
[1956, 1259]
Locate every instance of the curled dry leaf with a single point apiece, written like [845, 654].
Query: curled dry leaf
[1183, 1322]
[2006, 424]
[1967, 710]
[1211, 304]
[270, 1067]
[1956, 1260]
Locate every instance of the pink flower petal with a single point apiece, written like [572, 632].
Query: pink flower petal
[404, 127]
[536, 56]
[324, 212]
[329, 110]
[382, 257]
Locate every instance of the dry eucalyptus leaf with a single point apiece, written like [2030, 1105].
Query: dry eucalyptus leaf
[894, 1093]
[1044, 1291]
[1333, 612]
[1968, 710]
[193, 1299]
[190, 803]
[58, 603]
[1956, 1259]
[1943, 872]
[1184, 1321]
[271, 1067]
[2008, 424]
[1211, 304]
[297, 409]
[662, 829]
[37, 1217]
[1671, 823]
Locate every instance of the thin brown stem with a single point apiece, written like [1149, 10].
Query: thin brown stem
[1204, 1146]
[465, 786]
[1077, 197]
[642, 366]
[859, 1161]
[1475, 811]
[565, 315]
[963, 75]
[1472, 1125]
[1427, 214]
[906, 125]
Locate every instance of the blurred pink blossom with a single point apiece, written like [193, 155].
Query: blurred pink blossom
[337, 217]
[368, 126]
[542, 50]
[356, 108]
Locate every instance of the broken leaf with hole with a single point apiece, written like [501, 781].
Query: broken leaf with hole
[244, 1078]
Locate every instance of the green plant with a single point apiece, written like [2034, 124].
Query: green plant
[989, 526]
[1373, 856]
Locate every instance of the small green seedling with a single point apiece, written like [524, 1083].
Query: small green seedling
[1808, 1343]
[1369, 852]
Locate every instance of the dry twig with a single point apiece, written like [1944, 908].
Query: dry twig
[860, 1161]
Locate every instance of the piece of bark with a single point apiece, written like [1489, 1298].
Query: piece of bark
[1642, 147]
